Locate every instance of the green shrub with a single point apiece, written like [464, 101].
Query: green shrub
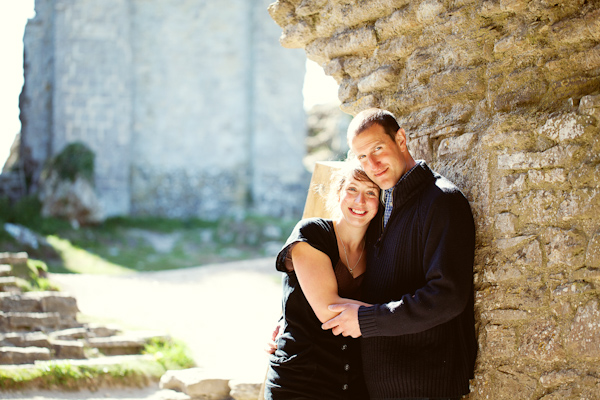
[75, 159]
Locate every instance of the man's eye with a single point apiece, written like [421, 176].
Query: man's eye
[361, 157]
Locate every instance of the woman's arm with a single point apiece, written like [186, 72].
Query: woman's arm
[317, 280]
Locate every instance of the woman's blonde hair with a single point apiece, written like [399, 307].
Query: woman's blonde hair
[348, 170]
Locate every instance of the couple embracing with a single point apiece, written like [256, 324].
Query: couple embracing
[378, 301]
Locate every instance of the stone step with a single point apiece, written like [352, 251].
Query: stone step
[67, 349]
[14, 258]
[24, 321]
[23, 355]
[8, 284]
[97, 362]
[25, 339]
[46, 301]
[5, 270]
[127, 344]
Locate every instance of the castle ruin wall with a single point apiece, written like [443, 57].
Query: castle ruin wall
[502, 97]
[192, 108]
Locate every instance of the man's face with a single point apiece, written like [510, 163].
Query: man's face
[381, 157]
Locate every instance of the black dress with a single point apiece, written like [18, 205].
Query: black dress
[311, 363]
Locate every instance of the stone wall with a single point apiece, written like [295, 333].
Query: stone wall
[191, 107]
[502, 97]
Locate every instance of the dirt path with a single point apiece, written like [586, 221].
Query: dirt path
[224, 312]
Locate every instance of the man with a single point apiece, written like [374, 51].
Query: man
[418, 337]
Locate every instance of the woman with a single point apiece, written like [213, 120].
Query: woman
[324, 264]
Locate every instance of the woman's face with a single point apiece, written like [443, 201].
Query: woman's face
[359, 201]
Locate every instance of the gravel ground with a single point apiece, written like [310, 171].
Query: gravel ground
[224, 312]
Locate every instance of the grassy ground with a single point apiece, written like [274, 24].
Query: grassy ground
[126, 245]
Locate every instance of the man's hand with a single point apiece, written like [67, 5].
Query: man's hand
[271, 344]
[346, 323]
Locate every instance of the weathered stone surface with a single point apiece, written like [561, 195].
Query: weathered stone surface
[500, 342]
[502, 98]
[23, 355]
[564, 248]
[241, 390]
[29, 339]
[541, 340]
[75, 201]
[117, 345]
[195, 383]
[67, 349]
[33, 321]
[584, 335]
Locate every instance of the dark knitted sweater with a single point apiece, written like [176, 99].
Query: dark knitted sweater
[419, 338]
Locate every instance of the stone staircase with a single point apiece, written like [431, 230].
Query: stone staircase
[42, 326]
[38, 328]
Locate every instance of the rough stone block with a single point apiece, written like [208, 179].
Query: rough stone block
[500, 342]
[5, 269]
[117, 345]
[380, 79]
[456, 146]
[58, 302]
[196, 383]
[7, 282]
[67, 349]
[505, 224]
[582, 204]
[567, 127]
[20, 339]
[507, 384]
[18, 303]
[564, 248]
[541, 340]
[359, 104]
[592, 254]
[504, 316]
[33, 321]
[358, 41]
[590, 105]
[397, 24]
[560, 377]
[23, 355]
[584, 336]
[241, 390]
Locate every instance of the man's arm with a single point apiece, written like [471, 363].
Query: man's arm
[449, 238]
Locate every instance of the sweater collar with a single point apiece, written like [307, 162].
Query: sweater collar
[410, 182]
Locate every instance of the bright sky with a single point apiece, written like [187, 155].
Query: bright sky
[318, 88]
[13, 17]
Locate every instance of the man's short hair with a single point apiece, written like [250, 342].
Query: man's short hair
[367, 118]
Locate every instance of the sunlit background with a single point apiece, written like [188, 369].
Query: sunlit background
[318, 88]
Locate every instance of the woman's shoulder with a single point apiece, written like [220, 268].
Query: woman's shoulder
[312, 229]
[315, 223]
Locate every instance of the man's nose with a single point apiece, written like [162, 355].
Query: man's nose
[372, 161]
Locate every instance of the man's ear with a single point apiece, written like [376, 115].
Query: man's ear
[401, 139]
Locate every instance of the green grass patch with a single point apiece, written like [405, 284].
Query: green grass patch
[124, 245]
[170, 353]
[63, 375]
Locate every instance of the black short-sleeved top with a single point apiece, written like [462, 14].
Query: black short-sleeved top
[311, 363]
